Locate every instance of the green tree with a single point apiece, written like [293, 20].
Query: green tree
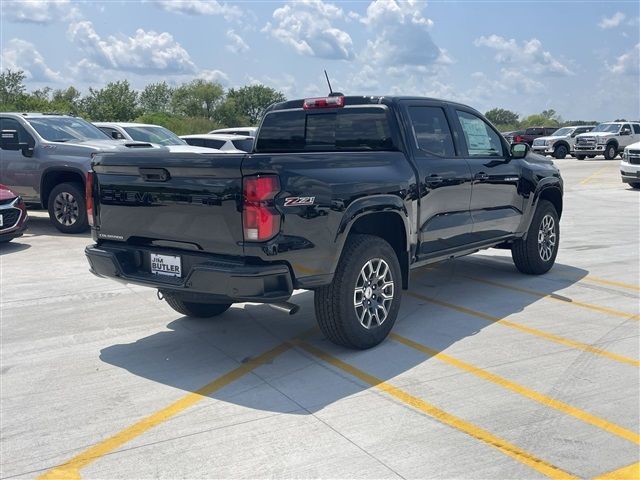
[198, 98]
[156, 98]
[67, 100]
[115, 102]
[252, 100]
[539, 120]
[179, 124]
[228, 114]
[12, 88]
[501, 116]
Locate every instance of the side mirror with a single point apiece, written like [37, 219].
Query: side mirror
[625, 131]
[519, 150]
[9, 140]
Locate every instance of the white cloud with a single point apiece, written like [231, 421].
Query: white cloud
[214, 76]
[529, 56]
[146, 52]
[236, 43]
[22, 55]
[306, 26]
[628, 63]
[402, 39]
[613, 21]
[200, 7]
[39, 11]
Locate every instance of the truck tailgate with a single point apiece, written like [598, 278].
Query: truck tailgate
[190, 201]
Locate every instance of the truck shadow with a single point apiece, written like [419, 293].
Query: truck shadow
[15, 245]
[41, 225]
[193, 352]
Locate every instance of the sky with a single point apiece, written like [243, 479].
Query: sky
[580, 58]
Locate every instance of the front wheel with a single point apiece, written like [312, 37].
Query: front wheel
[635, 185]
[537, 253]
[610, 152]
[561, 152]
[358, 309]
[193, 309]
[67, 209]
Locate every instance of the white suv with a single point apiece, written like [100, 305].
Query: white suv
[630, 165]
[608, 139]
[561, 143]
[154, 134]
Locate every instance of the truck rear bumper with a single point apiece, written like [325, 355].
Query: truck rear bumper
[205, 276]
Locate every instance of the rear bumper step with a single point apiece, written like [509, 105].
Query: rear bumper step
[205, 276]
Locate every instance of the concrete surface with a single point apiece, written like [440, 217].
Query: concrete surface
[84, 360]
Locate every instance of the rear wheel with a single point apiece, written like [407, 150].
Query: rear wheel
[67, 209]
[560, 152]
[358, 309]
[610, 151]
[194, 309]
[537, 253]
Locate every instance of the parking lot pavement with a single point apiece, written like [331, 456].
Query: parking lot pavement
[488, 373]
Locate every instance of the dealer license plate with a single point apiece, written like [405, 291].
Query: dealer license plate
[166, 265]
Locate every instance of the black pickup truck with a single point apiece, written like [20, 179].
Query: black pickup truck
[341, 195]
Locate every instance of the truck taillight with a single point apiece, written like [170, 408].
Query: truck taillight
[517, 139]
[260, 219]
[89, 199]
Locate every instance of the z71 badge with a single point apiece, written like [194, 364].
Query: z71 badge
[299, 201]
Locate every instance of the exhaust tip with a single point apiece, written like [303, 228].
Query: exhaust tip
[286, 307]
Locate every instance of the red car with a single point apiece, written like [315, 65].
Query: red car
[13, 215]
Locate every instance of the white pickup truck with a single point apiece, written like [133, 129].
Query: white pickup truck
[561, 142]
[608, 139]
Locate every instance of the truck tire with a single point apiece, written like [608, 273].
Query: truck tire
[560, 152]
[635, 185]
[358, 309]
[67, 208]
[537, 253]
[610, 151]
[580, 157]
[193, 309]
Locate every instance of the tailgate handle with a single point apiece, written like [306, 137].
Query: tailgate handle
[154, 174]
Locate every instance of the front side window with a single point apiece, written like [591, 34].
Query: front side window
[608, 127]
[23, 135]
[217, 144]
[112, 132]
[482, 140]
[636, 128]
[431, 131]
[245, 144]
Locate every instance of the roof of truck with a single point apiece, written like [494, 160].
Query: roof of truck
[361, 100]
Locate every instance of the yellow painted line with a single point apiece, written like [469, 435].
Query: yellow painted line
[612, 283]
[71, 469]
[630, 472]
[593, 175]
[522, 390]
[470, 429]
[558, 298]
[532, 331]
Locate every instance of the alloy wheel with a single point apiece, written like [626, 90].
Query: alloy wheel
[66, 209]
[547, 238]
[373, 293]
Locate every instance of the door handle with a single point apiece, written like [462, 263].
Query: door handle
[433, 180]
[481, 176]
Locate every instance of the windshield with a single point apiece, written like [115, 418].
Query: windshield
[607, 127]
[159, 135]
[63, 129]
[563, 132]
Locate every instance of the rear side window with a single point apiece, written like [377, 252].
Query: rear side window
[349, 129]
[245, 144]
[431, 130]
[482, 140]
[636, 128]
[196, 142]
[217, 144]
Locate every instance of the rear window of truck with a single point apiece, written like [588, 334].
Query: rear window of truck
[348, 129]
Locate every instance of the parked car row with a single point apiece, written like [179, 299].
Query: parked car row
[46, 158]
[608, 139]
[630, 165]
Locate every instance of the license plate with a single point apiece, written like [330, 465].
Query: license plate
[166, 265]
